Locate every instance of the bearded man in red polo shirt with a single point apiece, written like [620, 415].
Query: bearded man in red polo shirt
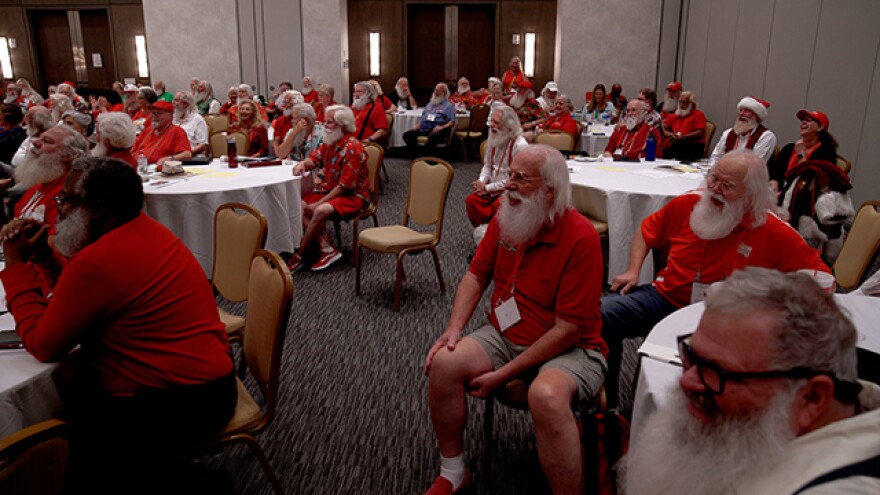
[544, 262]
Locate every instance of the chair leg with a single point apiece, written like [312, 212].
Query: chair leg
[384, 172]
[488, 418]
[354, 234]
[357, 270]
[398, 282]
[336, 227]
[264, 462]
[439, 272]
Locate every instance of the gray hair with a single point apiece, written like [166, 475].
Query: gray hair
[343, 116]
[554, 173]
[369, 91]
[148, 94]
[810, 329]
[296, 95]
[78, 117]
[246, 87]
[209, 90]
[190, 101]
[326, 88]
[117, 129]
[40, 117]
[495, 81]
[74, 145]
[66, 86]
[566, 101]
[445, 90]
[758, 193]
[399, 80]
[59, 104]
[305, 111]
[509, 120]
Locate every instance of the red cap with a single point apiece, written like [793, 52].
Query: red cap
[69, 84]
[819, 117]
[675, 86]
[162, 105]
[524, 84]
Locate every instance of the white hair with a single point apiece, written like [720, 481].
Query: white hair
[117, 129]
[305, 111]
[343, 116]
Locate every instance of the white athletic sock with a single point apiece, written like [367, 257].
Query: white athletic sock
[453, 469]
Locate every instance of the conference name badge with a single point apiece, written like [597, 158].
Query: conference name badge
[507, 314]
[744, 250]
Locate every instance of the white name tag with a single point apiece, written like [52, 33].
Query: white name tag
[618, 151]
[431, 117]
[507, 314]
[699, 292]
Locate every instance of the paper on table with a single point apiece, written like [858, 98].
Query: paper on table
[660, 353]
[656, 174]
[609, 168]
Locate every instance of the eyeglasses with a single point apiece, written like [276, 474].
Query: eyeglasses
[714, 377]
[521, 178]
[60, 199]
[726, 185]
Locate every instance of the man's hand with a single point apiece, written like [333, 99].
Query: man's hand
[437, 129]
[799, 147]
[24, 239]
[478, 187]
[448, 339]
[483, 385]
[300, 167]
[625, 282]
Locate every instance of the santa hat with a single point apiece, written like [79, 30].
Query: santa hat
[675, 86]
[756, 105]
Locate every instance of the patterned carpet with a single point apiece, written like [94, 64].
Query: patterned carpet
[353, 415]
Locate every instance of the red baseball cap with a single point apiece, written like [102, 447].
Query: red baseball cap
[819, 117]
[675, 86]
[524, 84]
[162, 105]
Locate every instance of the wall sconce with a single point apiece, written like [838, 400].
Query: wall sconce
[140, 44]
[5, 59]
[374, 54]
[529, 62]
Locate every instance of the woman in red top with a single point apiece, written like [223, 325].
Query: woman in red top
[325, 100]
[251, 123]
[514, 75]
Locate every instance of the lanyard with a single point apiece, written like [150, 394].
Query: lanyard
[732, 262]
[509, 150]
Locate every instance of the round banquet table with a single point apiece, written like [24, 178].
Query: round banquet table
[594, 138]
[623, 194]
[660, 368]
[407, 119]
[186, 205]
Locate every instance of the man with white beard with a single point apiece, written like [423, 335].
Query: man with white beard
[544, 262]
[437, 123]
[187, 117]
[205, 100]
[14, 97]
[747, 132]
[282, 123]
[370, 119]
[670, 101]
[344, 190]
[685, 130]
[708, 235]
[768, 402]
[114, 135]
[463, 98]
[527, 107]
[505, 142]
[309, 92]
[303, 137]
[404, 98]
[38, 120]
[548, 97]
[628, 140]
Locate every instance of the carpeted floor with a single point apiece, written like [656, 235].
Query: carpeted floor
[353, 414]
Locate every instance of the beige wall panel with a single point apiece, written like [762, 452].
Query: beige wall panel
[717, 99]
[694, 48]
[866, 160]
[325, 43]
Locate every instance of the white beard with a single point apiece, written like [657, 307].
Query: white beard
[330, 137]
[464, 91]
[683, 113]
[499, 138]
[632, 122]
[521, 223]
[201, 95]
[100, 150]
[436, 100]
[517, 101]
[550, 103]
[401, 95]
[744, 126]
[307, 90]
[677, 453]
[710, 222]
[37, 169]
[360, 103]
[287, 112]
[670, 104]
[72, 232]
[10, 100]
[179, 115]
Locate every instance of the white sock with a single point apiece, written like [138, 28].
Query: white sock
[327, 249]
[453, 469]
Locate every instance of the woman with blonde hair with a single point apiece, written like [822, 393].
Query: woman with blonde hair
[251, 123]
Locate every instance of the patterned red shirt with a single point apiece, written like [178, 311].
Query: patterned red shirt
[530, 111]
[345, 164]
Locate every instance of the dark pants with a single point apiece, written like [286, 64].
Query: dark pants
[434, 138]
[627, 317]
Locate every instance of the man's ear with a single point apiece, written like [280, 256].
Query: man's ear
[812, 403]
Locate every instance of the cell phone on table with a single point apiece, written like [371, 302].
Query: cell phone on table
[9, 339]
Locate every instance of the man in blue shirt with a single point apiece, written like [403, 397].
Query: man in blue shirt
[438, 122]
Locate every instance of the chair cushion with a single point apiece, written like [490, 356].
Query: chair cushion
[234, 324]
[600, 226]
[247, 413]
[422, 139]
[393, 238]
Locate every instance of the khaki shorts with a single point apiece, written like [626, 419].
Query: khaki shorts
[586, 366]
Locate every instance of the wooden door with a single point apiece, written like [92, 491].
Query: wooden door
[96, 40]
[476, 43]
[54, 51]
[425, 51]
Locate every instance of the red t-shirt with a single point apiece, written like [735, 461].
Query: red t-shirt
[377, 120]
[559, 274]
[631, 143]
[685, 125]
[136, 301]
[562, 123]
[280, 126]
[154, 147]
[773, 245]
[38, 202]
[124, 155]
[311, 97]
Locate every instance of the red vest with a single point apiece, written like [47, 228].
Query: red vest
[750, 144]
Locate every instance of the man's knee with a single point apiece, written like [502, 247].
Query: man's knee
[466, 361]
[323, 212]
[552, 393]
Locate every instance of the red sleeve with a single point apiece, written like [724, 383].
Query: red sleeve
[571, 127]
[378, 120]
[483, 264]
[259, 144]
[179, 141]
[614, 139]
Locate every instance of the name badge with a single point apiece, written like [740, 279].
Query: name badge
[618, 151]
[507, 314]
[699, 292]
[431, 117]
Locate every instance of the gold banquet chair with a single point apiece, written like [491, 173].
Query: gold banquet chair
[708, 134]
[239, 231]
[375, 160]
[476, 126]
[218, 123]
[429, 180]
[859, 248]
[844, 164]
[217, 143]
[270, 292]
[562, 141]
[34, 460]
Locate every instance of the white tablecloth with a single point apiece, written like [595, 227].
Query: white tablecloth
[595, 138]
[656, 375]
[186, 205]
[407, 119]
[28, 393]
[623, 194]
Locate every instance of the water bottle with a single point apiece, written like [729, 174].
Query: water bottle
[142, 165]
[651, 149]
[232, 153]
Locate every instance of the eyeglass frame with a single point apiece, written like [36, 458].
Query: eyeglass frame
[521, 178]
[61, 198]
[726, 185]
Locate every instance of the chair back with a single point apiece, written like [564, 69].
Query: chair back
[562, 141]
[389, 117]
[844, 164]
[270, 293]
[217, 144]
[859, 248]
[241, 141]
[429, 180]
[375, 156]
[34, 459]
[483, 147]
[479, 116]
[708, 134]
[239, 231]
[217, 123]
[580, 134]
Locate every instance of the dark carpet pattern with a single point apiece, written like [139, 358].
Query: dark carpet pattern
[353, 415]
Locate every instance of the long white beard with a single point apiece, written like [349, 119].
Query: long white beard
[330, 137]
[436, 100]
[710, 222]
[517, 101]
[10, 100]
[100, 150]
[37, 169]
[670, 104]
[307, 90]
[287, 112]
[550, 103]
[677, 453]
[179, 115]
[521, 223]
[72, 232]
[498, 138]
[201, 95]
[683, 113]
[632, 122]
[401, 95]
[744, 125]
[360, 103]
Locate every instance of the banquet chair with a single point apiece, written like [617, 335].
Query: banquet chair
[708, 134]
[270, 293]
[562, 141]
[375, 159]
[859, 248]
[218, 123]
[218, 143]
[390, 117]
[34, 460]
[579, 136]
[476, 126]
[844, 164]
[429, 180]
[483, 147]
[239, 231]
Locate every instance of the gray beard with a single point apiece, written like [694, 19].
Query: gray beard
[201, 96]
[677, 453]
[10, 100]
[517, 101]
[521, 223]
[683, 113]
[669, 104]
[710, 223]
[632, 122]
[401, 95]
[100, 150]
[330, 137]
[436, 100]
[360, 103]
[741, 127]
[37, 169]
[72, 232]
[179, 115]
[499, 138]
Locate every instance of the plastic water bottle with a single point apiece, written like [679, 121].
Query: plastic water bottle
[142, 165]
[651, 149]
